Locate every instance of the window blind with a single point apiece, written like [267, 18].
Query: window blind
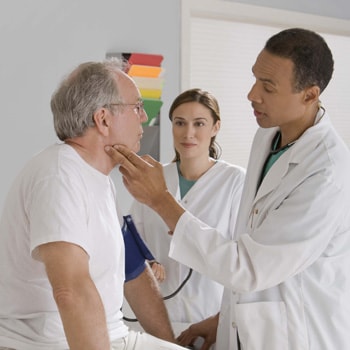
[222, 53]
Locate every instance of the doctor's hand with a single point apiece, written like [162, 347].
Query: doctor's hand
[205, 329]
[142, 176]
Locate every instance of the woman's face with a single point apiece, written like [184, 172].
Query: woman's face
[193, 128]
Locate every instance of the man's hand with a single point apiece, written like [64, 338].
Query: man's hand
[158, 270]
[205, 329]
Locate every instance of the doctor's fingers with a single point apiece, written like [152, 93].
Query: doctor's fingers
[206, 345]
[150, 160]
[118, 157]
[186, 338]
[141, 184]
[126, 158]
[122, 155]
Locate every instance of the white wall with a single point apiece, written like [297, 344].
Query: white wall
[327, 8]
[41, 40]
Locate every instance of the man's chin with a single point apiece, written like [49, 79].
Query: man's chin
[136, 148]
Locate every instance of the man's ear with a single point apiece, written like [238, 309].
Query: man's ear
[312, 94]
[102, 120]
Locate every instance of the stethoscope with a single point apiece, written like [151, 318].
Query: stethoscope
[168, 296]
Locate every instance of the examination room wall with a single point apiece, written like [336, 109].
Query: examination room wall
[42, 40]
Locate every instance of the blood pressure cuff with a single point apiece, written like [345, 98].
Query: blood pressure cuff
[136, 251]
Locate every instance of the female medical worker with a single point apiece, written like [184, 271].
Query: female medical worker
[209, 188]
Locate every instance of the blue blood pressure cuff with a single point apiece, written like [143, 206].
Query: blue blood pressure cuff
[136, 251]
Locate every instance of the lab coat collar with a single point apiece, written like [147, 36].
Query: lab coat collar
[172, 181]
[294, 155]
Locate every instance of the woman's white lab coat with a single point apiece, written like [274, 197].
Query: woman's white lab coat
[287, 274]
[214, 198]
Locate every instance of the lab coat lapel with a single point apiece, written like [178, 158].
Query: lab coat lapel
[297, 153]
[173, 180]
[261, 148]
[274, 176]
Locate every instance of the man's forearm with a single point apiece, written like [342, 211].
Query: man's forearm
[83, 318]
[143, 296]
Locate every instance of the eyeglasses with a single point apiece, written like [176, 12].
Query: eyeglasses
[138, 107]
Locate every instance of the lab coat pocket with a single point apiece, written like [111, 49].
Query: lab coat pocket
[262, 326]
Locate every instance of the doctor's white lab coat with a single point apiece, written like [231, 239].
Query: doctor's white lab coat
[287, 272]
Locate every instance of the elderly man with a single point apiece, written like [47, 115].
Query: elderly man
[61, 247]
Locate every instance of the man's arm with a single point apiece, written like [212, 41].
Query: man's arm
[76, 296]
[144, 298]
[144, 179]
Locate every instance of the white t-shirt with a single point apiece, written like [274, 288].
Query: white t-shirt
[57, 197]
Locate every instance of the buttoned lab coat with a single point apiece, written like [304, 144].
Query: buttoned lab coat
[287, 274]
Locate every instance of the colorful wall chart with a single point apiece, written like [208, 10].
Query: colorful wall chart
[148, 74]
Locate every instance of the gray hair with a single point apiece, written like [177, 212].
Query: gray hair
[89, 87]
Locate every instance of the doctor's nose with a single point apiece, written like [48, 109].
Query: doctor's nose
[254, 95]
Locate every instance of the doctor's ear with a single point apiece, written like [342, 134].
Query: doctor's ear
[312, 94]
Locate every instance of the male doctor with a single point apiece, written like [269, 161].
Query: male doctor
[286, 273]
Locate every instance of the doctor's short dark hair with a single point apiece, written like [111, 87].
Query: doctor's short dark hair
[312, 58]
[209, 101]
